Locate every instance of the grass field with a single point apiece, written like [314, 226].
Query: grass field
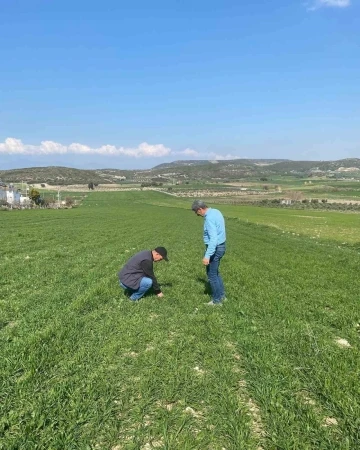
[311, 187]
[319, 225]
[337, 226]
[83, 368]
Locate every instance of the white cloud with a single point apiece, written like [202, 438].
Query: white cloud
[14, 146]
[329, 3]
[336, 3]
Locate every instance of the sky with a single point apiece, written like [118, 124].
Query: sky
[129, 85]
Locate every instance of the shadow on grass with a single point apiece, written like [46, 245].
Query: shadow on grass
[206, 284]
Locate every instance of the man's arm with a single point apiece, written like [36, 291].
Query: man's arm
[211, 229]
[148, 270]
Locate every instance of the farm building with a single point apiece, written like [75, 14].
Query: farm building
[12, 195]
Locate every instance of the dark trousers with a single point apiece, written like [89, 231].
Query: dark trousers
[215, 280]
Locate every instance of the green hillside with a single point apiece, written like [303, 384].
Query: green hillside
[181, 170]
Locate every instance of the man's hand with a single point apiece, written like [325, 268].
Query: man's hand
[160, 294]
[206, 261]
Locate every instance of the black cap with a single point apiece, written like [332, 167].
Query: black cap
[162, 251]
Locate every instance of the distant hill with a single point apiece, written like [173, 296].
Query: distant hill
[63, 175]
[190, 170]
[199, 162]
[303, 166]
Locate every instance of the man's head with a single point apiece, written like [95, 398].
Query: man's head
[199, 207]
[159, 253]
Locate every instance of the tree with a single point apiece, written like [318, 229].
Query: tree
[34, 195]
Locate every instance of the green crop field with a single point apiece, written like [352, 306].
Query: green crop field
[277, 367]
[337, 226]
[312, 187]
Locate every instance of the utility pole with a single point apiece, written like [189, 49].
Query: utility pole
[26, 188]
[58, 197]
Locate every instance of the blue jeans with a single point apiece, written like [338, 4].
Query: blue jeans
[145, 285]
[215, 280]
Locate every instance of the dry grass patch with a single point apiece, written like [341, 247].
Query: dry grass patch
[329, 422]
[257, 426]
[342, 343]
[192, 412]
[153, 444]
[131, 354]
[169, 406]
[153, 316]
[306, 399]
[199, 371]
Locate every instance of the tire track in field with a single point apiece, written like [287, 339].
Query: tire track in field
[256, 423]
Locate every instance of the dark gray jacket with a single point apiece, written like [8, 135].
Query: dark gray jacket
[139, 266]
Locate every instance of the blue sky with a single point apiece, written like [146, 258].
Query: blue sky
[95, 84]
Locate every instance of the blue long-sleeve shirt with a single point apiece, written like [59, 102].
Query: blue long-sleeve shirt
[214, 230]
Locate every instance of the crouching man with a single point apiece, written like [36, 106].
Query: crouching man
[138, 273]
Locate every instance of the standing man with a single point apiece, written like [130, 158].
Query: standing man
[138, 273]
[214, 239]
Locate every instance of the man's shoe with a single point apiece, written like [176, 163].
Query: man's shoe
[211, 303]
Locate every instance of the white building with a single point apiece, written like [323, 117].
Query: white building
[11, 195]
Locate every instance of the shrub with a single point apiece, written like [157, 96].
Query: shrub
[150, 184]
[48, 201]
[69, 201]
